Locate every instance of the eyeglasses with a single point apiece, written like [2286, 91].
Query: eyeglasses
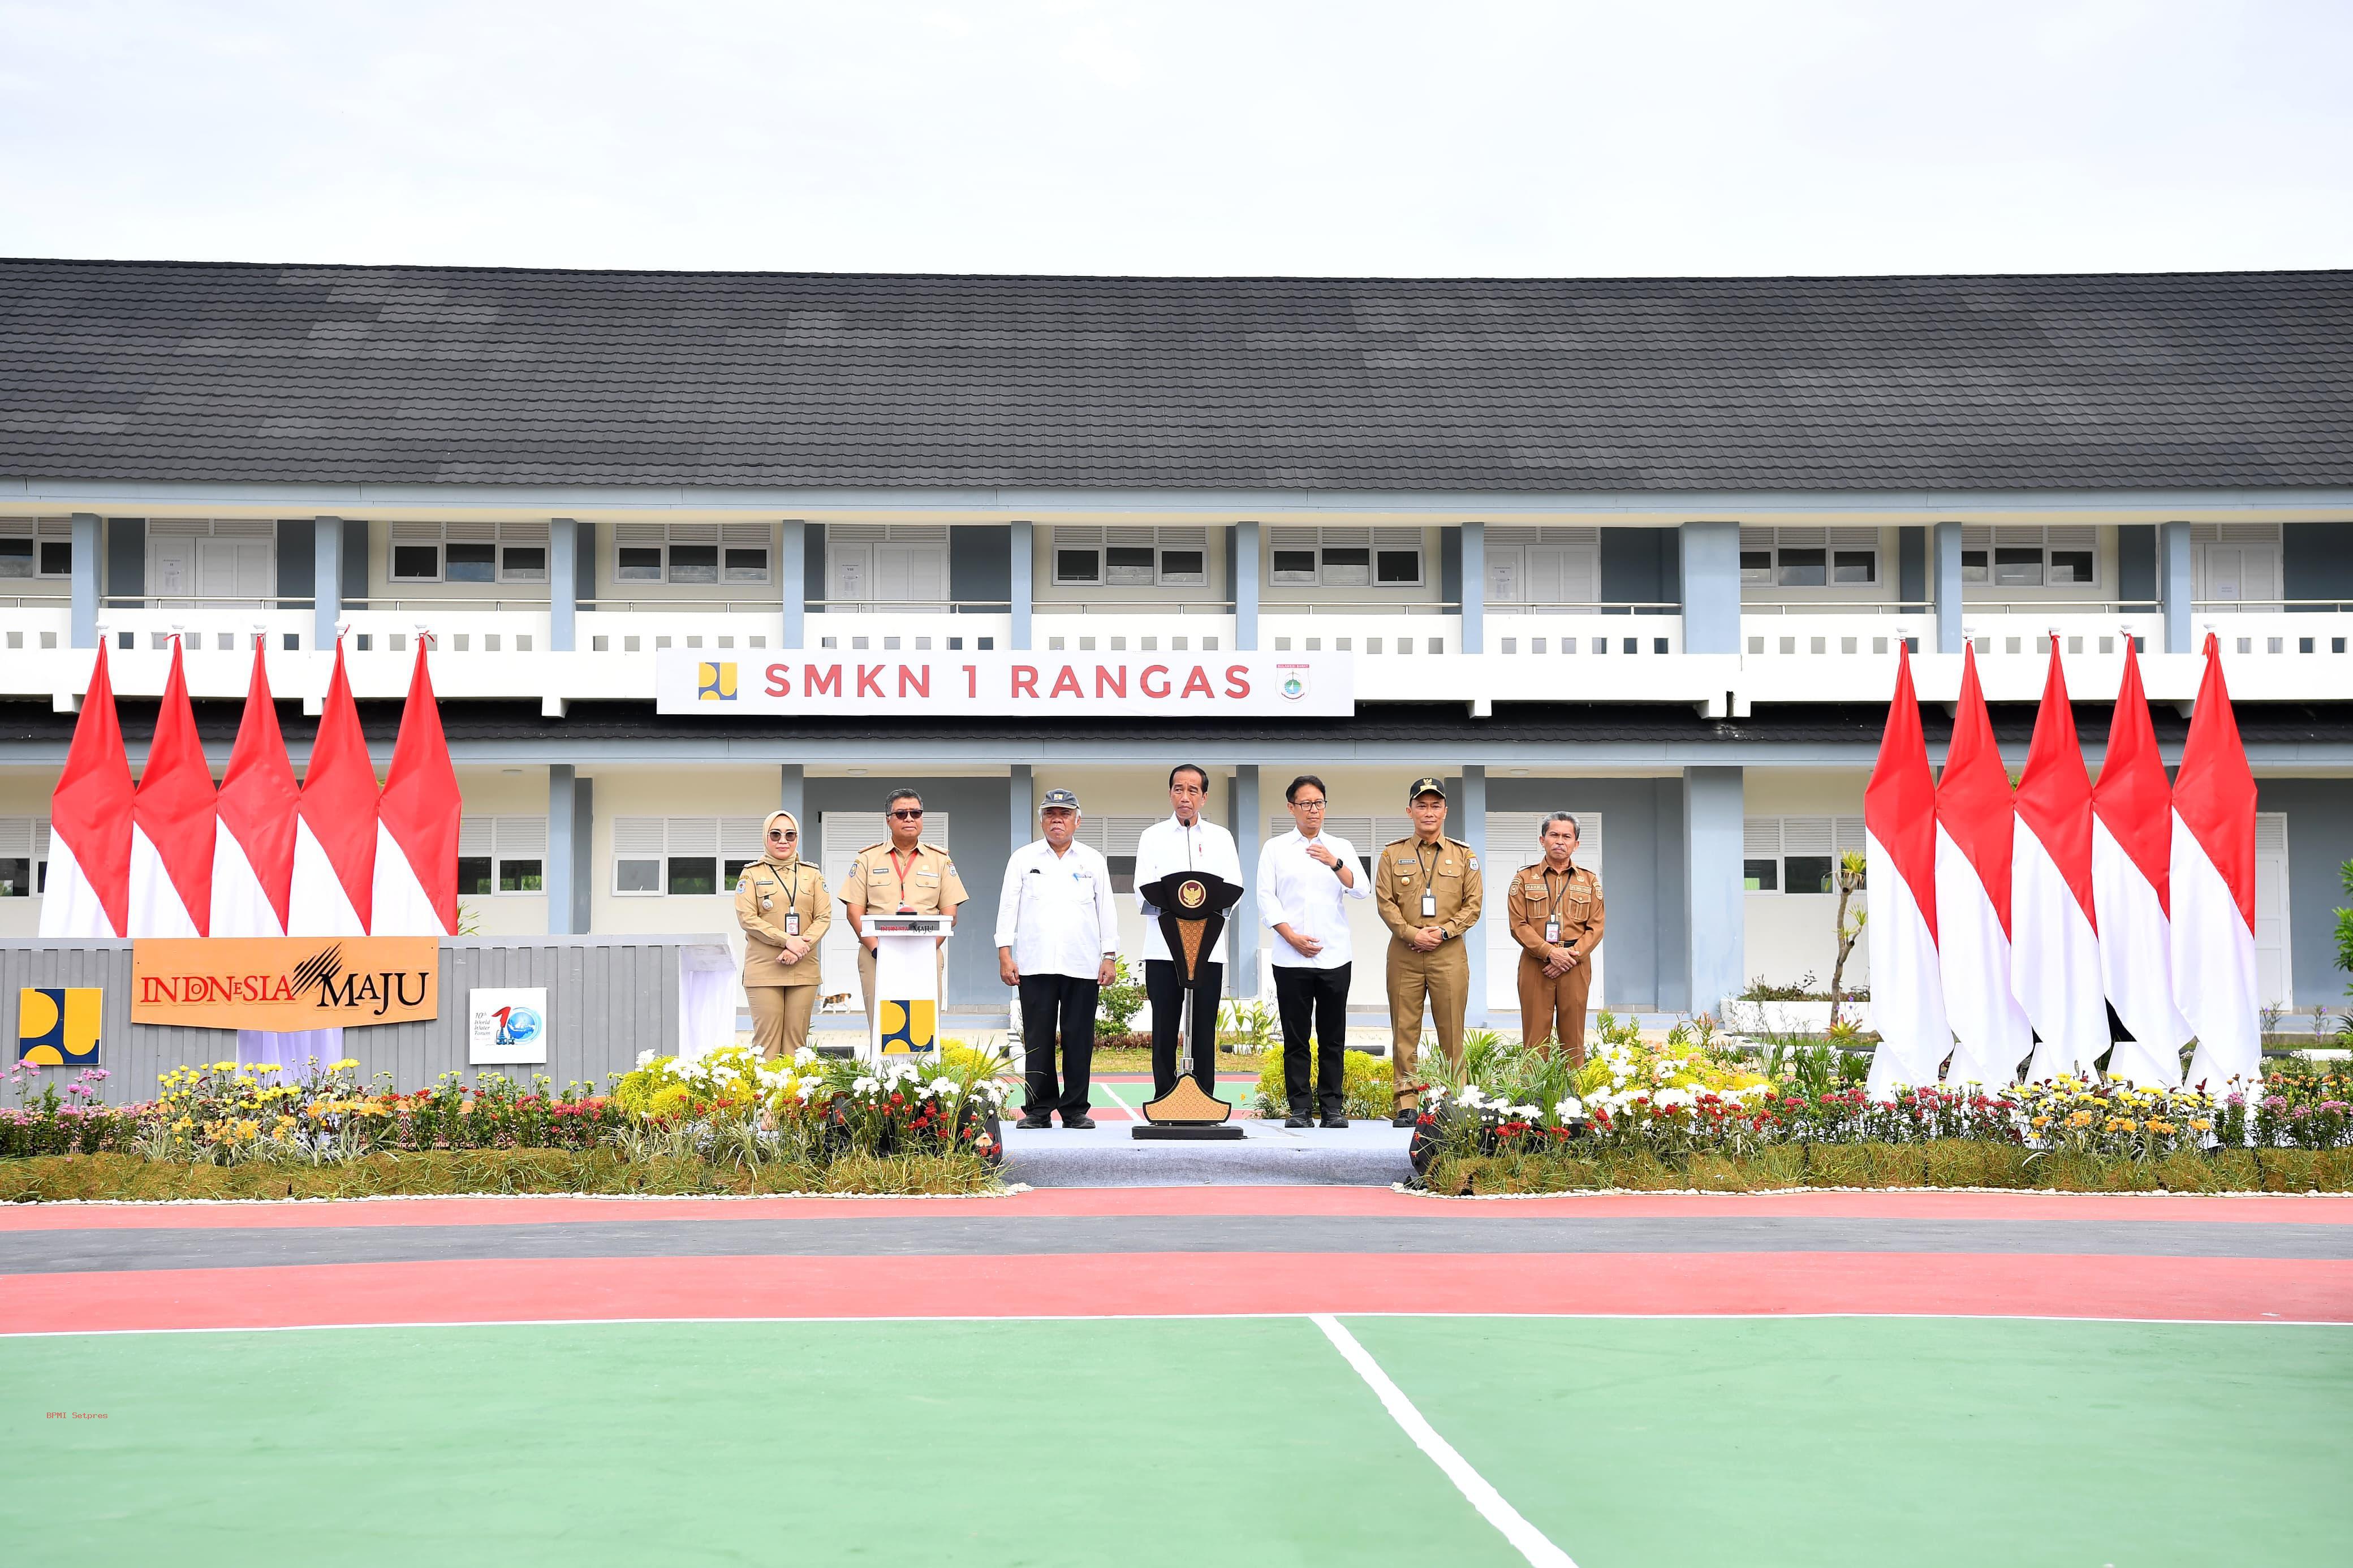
[780, 832]
[1308, 804]
[915, 816]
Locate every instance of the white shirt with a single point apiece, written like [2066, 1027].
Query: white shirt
[1295, 888]
[1056, 912]
[1167, 846]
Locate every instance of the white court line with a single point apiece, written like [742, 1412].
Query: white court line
[1525, 1538]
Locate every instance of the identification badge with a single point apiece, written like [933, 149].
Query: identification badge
[1429, 904]
[1552, 933]
[792, 923]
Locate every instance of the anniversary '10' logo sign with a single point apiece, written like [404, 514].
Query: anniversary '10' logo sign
[284, 983]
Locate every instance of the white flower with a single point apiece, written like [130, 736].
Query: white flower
[645, 1059]
[1570, 1109]
[1667, 1098]
[864, 1085]
[803, 1057]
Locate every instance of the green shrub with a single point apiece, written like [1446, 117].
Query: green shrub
[1365, 1080]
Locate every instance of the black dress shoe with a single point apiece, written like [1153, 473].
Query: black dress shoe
[1069, 1122]
[1404, 1119]
[1035, 1124]
[1335, 1122]
[1297, 1122]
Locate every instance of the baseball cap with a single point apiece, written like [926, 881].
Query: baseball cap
[1060, 797]
[1426, 786]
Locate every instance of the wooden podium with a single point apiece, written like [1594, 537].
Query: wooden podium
[1192, 906]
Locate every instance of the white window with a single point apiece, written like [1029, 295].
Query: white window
[2235, 563]
[1346, 557]
[2024, 556]
[899, 563]
[1130, 557]
[1542, 567]
[1808, 557]
[24, 855]
[692, 552]
[467, 552]
[31, 548]
[501, 855]
[1797, 853]
[686, 856]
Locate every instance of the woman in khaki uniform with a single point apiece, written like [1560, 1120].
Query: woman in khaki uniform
[780, 902]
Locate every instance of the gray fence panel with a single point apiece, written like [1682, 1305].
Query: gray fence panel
[608, 998]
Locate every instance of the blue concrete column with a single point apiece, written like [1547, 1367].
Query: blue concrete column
[792, 584]
[563, 583]
[1945, 584]
[1474, 591]
[1021, 806]
[327, 582]
[1245, 575]
[2175, 584]
[85, 573]
[1709, 554]
[1022, 579]
[792, 791]
[1249, 828]
[1469, 819]
[1712, 845]
[570, 875]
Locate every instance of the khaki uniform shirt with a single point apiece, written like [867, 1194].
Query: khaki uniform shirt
[764, 893]
[1535, 890]
[931, 885]
[1451, 872]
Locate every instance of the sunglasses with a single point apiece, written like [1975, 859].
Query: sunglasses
[780, 832]
[908, 816]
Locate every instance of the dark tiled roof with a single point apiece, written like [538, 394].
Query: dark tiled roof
[131, 371]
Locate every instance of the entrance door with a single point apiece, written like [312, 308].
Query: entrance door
[233, 568]
[1562, 574]
[2275, 981]
[910, 573]
[2241, 572]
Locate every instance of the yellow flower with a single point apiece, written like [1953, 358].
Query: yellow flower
[2198, 1125]
[2156, 1126]
[2043, 1121]
[2121, 1124]
[2081, 1118]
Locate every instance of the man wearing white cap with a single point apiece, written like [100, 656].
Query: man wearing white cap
[1057, 933]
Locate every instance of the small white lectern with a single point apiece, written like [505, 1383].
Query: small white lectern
[906, 984]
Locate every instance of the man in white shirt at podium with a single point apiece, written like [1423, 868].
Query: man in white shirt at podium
[1183, 842]
[1304, 880]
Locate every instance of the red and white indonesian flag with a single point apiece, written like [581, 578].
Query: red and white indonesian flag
[253, 844]
[418, 819]
[1899, 825]
[1976, 833]
[2132, 834]
[89, 890]
[173, 822]
[2054, 956]
[333, 893]
[2213, 867]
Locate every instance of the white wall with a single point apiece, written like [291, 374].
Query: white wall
[1789, 934]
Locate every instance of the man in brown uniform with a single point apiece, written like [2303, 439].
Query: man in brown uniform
[780, 902]
[1427, 890]
[1555, 912]
[903, 875]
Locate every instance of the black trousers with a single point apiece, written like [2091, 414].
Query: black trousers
[1057, 1009]
[1316, 997]
[1168, 999]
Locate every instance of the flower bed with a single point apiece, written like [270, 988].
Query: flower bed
[1690, 1114]
[727, 1122]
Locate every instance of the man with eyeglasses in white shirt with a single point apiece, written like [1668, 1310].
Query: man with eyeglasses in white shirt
[1057, 936]
[1304, 878]
[1183, 842]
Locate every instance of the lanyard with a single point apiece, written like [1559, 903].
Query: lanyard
[1567, 877]
[1427, 871]
[913, 857]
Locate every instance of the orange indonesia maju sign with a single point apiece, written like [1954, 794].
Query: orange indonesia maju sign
[284, 983]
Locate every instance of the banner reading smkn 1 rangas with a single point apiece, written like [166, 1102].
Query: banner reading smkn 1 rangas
[284, 983]
[1172, 685]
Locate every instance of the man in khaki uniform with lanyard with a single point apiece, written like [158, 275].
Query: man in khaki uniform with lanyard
[903, 875]
[1555, 908]
[1429, 893]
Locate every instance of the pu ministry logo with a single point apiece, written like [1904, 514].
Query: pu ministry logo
[714, 681]
[58, 1027]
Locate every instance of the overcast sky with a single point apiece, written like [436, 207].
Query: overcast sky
[1786, 136]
